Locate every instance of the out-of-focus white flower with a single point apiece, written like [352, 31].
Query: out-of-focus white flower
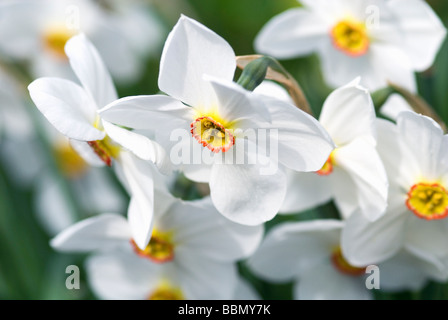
[191, 254]
[18, 140]
[378, 40]
[217, 120]
[394, 105]
[354, 175]
[309, 254]
[124, 34]
[72, 110]
[415, 153]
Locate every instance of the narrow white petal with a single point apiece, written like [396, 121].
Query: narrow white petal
[90, 70]
[66, 107]
[293, 33]
[139, 145]
[155, 112]
[97, 233]
[423, 139]
[348, 113]
[364, 166]
[139, 178]
[192, 50]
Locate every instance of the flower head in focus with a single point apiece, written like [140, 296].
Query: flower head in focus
[216, 131]
[378, 40]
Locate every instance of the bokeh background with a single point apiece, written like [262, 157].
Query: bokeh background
[31, 269]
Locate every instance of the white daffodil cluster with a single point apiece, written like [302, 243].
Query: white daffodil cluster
[248, 147]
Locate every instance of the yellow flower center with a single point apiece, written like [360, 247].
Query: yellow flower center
[68, 160]
[160, 248]
[428, 201]
[343, 266]
[350, 37]
[212, 134]
[166, 292]
[327, 168]
[55, 38]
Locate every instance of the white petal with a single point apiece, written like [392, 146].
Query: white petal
[348, 113]
[245, 194]
[200, 228]
[237, 104]
[139, 176]
[402, 272]
[139, 145]
[66, 107]
[87, 153]
[192, 50]
[394, 105]
[423, 31]
[52, 208]
[435, 268]
[206, 279]
[155, 112]
[303, 144]
[90, 70]
[364, 243]
[290, 249]
[97, 233]
[427, 236]
[423, 138]
[343, 188]
[324, 282]
[305, 191]
[362, 162]
[390, 63]
[245, 291]
[293, 33]
[122, 276]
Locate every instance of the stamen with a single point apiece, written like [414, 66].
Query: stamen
[105, 149]
[212, 134]
[428, 201]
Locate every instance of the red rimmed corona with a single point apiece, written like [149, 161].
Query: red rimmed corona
[327, 168]
[212, 134]
[428, 201]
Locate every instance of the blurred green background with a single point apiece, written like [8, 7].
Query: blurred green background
[30, 269]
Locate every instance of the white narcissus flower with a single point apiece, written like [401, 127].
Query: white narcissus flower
[354, 175]
[415, 153]
[378, 40]
[309, 254]
[217, 119]
[46, 25]
[191, 254]
[72, 110]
